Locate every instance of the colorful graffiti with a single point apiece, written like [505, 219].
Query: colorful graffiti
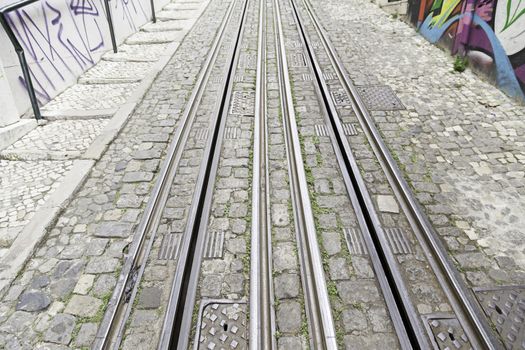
[491, 33]
[63, 38]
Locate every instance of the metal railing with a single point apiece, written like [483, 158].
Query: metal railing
[4, 11]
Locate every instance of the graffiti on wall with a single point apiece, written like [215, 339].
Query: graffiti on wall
[63, 38]
[490, 32]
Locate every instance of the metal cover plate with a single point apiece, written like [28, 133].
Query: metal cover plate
[340, 97]
[243, 103]
[350, 129]
[505, 306]
[201, 134]
[231, 133]
[398, 241]
[222, 325]
[445, 332]
[379, 98]
[354, 241]
[169, 247]
[320, 130]
[248, 61]
[298, 60]
[214, 244]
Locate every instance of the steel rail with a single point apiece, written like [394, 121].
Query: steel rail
[119, 307]
[408, 326]
[322, 330]
[178, 318]
[262, 325]
[462, 299]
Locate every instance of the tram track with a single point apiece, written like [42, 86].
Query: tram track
[179, 319]
[321, 325]
[111, 331]
[408, 322]
[262, 319]
[176, 329]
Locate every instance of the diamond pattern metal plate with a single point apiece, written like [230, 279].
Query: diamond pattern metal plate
[445, 332]
[243, 103]
[379, 98]
[222, 325]
[505, 306]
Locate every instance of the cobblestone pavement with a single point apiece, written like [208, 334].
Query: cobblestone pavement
[78, 116]
[155, 287]
[459, 141]
[59, 296]
[57, 139]
[24, 186]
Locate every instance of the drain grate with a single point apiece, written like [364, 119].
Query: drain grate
[340, 97]
[169, 247]
[354, 241]
[320, 130]
[505, 306]
[297, 59]
[445, 332]
[379, 98]
[214, 244]
[222, 325]
[243, 103]
[398, 241]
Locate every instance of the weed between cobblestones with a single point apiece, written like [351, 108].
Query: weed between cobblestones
[460, 63]
[317, 211]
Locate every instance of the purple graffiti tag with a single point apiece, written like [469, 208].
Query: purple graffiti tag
[79, 7]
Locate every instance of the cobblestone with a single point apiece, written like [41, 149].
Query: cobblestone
[24, 187]
[58, 136]
[459, 140]
[91, 97]
[120, 72]
[77, 263]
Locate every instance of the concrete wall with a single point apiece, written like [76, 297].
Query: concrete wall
[8, 112]
[62, 39]
[491, 33]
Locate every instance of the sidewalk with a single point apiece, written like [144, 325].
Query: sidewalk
[41, 171]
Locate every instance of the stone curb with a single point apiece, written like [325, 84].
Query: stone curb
[11, 133]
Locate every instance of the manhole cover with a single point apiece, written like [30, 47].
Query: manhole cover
[379, 98]
[505, 306]
[222, 325]
[445, 332]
